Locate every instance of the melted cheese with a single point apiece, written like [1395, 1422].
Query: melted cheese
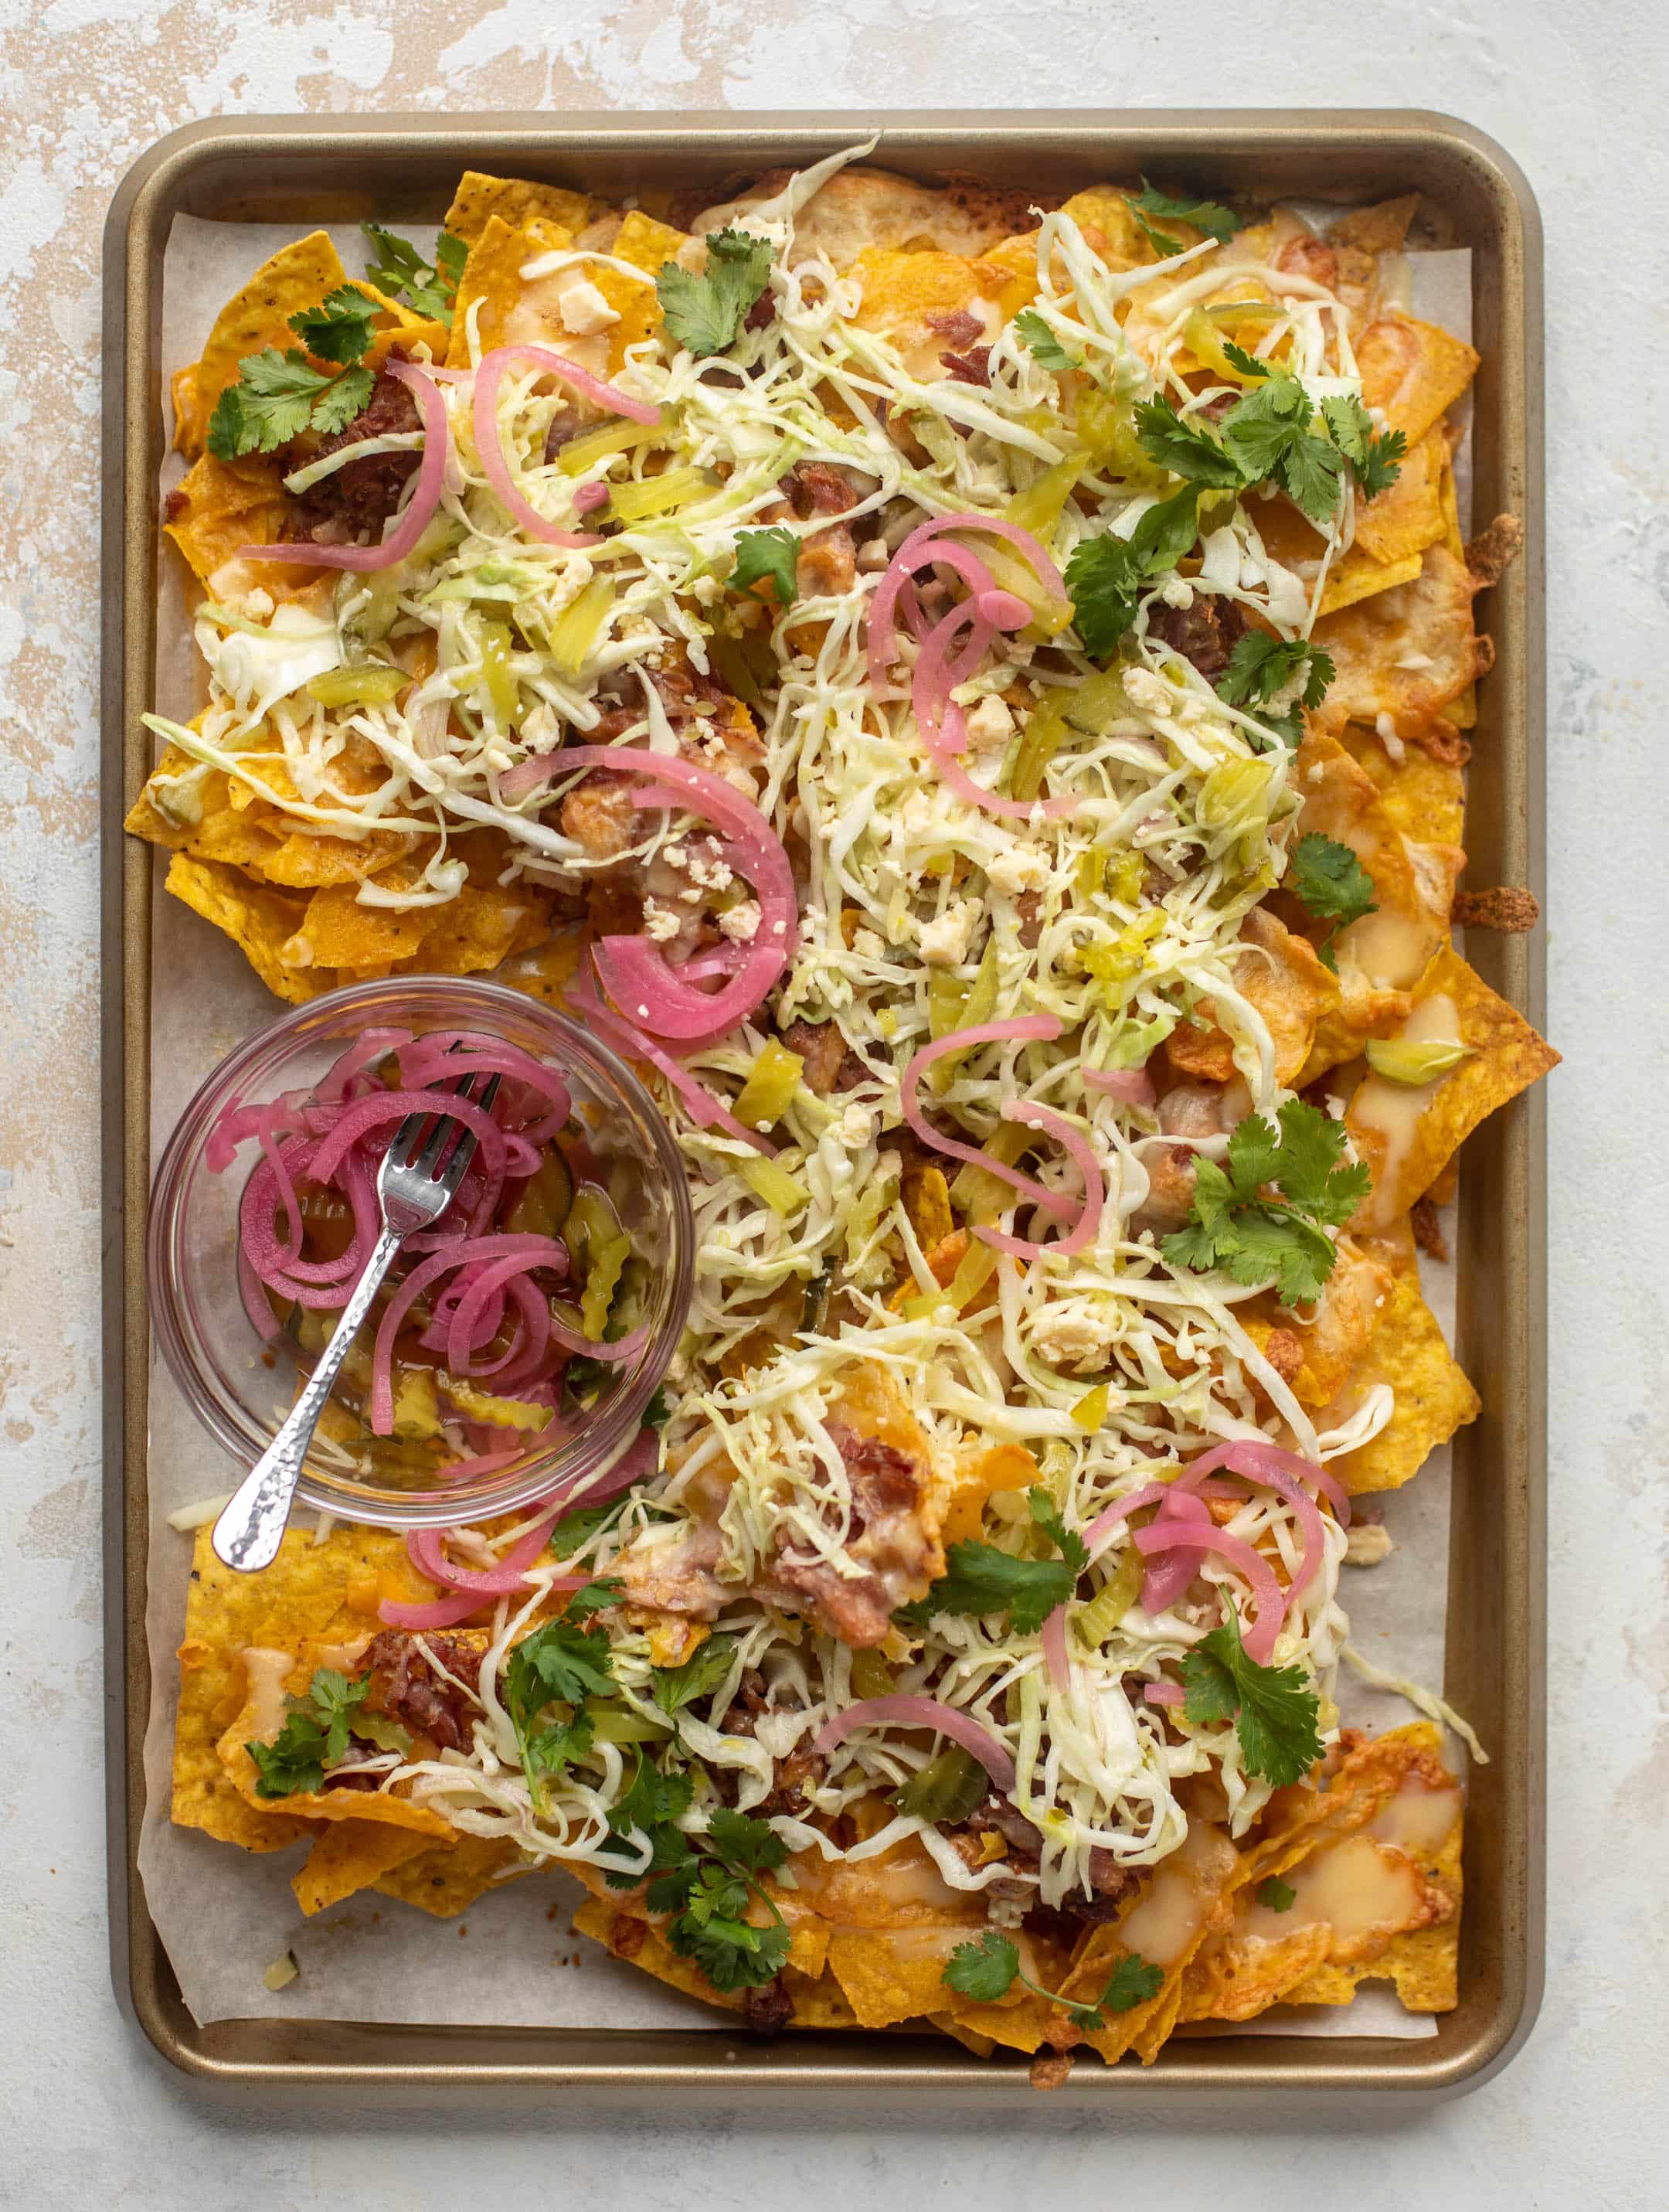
[1392, 1111]
[1418, 1819]
[1390, 949]
[1357, 1888]
[1162, 1926]
[265, 1671]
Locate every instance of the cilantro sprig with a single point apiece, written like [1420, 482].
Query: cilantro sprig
[398, 267]
[1275, 1712]
[980, 1579]
[767, 555]
[988, 1967]
[1270, 435]
[1041, 343]
[1261, 668]
[704, 313]
[677, 1686]
[705, 1883]
[315, 1734]
[1217, 221]
[1265, 1214]
[549, 1680]
[1375, 459]
[1105, 576]
[1329, 882]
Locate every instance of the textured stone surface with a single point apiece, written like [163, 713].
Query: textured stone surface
[1577, 95]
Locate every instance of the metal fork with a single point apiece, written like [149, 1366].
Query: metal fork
[414, 1189]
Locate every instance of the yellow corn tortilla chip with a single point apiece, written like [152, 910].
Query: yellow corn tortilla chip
[817, 2000]
[1360, 576]
[302, 1595]
[1422, 796]
[484, 925]
[515, 200]
[298, 276]
[1413, 371]
[1123, 244]
[1408, 515]
[980, 1473]
[508, 311]
[349, 1856]
[1188, 1899]
[1377, 229]
[626, 1936]
[927, 1203]
[1433, 1398]
[1334, 1332]
[1281, 975]
[241, 831]
[445, 1879]
[336, 932]
[888, 1976]
[858, 208]
[1428, 622]
[947, 2024]
[906, 295]
[259, 921]
[1407, 1133]
[214, 509]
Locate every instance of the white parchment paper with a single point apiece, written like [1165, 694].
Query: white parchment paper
[513, 1960]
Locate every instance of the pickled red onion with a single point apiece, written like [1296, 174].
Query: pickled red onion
[921, 1712]
[484, 417]
[1082, 1152]
[705, 1110]
[1132, 1087]
[1165, 1693]
[1252, 1457]
[419, 509]
[425, 1547]
[1023, 1028]
[537, 1251]
[1249, 1562]
[1054, 1649]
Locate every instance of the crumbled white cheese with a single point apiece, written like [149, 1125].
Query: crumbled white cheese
[1148, 691]
[1367, 1544]
[917, 815]
[990, 726]
[945, 940]
[1071, 1336]
[869, 944]
[872, 555]
[1179, 593]
[584, 309]
[857, 1125]
[711, 873]
[741, 923]
[1019, 868]
[705, 590]
[660, 923]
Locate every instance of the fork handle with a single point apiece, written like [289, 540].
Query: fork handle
[252, 1525]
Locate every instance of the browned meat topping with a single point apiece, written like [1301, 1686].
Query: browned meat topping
[416, 1695]
[360, 496]
[1428, 1231]
[1504, 908]
[822, 1048]
[769, 2009]
[1206, 632]
[973, 367]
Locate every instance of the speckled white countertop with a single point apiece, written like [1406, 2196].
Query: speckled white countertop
[1577, 95]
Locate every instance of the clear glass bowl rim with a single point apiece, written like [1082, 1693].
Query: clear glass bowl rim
[401, 1001]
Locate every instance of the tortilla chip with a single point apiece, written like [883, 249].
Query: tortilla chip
[1413, 371]
[301, 1596]
[1377, 229]
[1336, 1331]
[508, 310]
[1433, 1398]
[1422, 1963]
[1408, 515]
[1188, 1899]
[1359, 575]
[1427, 621]
[1422, 796]
[860, 209]
[298, 276]
[1408, 1133]
[1122, 244]
[336, 932]
[905, 296]
[947, 2024]
[986, 1471]
[214, 509]
[515, 202]
[260, 922]
[349, 1856]
[445, 1879]
[480, 928]
[927, 1203]
[817, 2000]
[627, 1935]
[1279, 975]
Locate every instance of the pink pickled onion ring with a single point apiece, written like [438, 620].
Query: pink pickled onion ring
[1023, 1028]
[943, 727]
[905, 561]
[705, 1110]
[428, 1555]
[1252, 1457]
[921, 1712]
[1054, 1649]
[418, 510]
[447, 1611]
[1250, 1564]
[1165, 1693]
[538, 1252]
[1132, 1087]
[393, 1106]
[1082, 1153]
[484, 417]
[590, 495]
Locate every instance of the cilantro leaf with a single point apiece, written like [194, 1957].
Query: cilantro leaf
[340, 328]
[1247, 363]
[1217, 221]
[1262, 666]
[704, 313]
[561, 1664]
[430, 288]
[1041, 343]
[1105, 583]
[346, 396]
[677, 1686]
[1133, 1982]
[334, 1698]
[984, 1969]
[980, 1580]
[1274, 1711]
[732, 1952]
[651, 1799]
[276, 396]
[948, 1788]
[1105, 574]
[1183, 446]
[1309, 470]
[1278, 1895]
[1235, 1224]
[767, 555]
[314, 1736]
[1375, 461]
[1329, 882]
[547, 1749]
[1046, 1516]
[1258, 429]
[743, 1842]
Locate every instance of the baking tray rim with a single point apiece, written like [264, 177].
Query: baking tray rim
[300, 2054]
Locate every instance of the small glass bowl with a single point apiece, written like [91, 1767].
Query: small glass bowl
[233, 1383]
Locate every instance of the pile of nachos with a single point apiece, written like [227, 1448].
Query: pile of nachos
[970, 695]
